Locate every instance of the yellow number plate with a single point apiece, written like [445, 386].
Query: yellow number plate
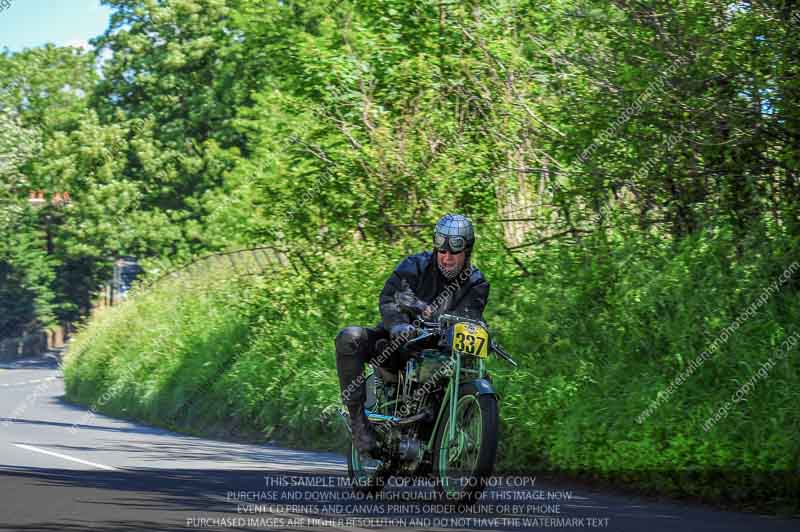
[471, 339]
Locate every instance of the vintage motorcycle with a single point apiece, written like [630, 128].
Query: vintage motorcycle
[437, 419]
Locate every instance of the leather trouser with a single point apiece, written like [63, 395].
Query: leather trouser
[356, 346]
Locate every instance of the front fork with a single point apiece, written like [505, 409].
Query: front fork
[454, 386]
[451, 396]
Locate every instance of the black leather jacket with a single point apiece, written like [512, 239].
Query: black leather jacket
[466, 295]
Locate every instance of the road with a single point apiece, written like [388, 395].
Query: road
[66, 469]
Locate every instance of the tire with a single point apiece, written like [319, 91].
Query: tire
[367, 476]
[462, 475]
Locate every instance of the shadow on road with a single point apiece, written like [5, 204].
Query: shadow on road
[45, 500]
[39, 499]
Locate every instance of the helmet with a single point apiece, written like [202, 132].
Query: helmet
[454, 233]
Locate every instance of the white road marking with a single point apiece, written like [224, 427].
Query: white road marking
[65, 457]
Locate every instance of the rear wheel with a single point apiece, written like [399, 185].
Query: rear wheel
[463, 466]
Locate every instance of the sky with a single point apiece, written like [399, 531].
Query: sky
[32, 23]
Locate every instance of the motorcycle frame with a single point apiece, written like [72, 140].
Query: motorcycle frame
[451, 394]
[450, 397]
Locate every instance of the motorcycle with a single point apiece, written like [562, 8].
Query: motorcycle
[437, 418]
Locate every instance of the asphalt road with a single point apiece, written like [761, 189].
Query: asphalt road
[66, 469]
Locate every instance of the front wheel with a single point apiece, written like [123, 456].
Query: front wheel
[463, 466]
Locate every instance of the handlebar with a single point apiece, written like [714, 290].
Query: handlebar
[430, 329]
[411, 344]
[503, 354]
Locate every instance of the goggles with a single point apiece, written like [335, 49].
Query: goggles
[453, 244]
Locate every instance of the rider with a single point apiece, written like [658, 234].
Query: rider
[437, 282]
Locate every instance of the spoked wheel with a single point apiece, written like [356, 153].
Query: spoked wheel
[367, 475]
[463, 466]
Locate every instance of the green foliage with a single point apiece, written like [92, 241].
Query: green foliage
[26, 275]
[26, 297]
[603, 339]
[254, 357]
[220, 123]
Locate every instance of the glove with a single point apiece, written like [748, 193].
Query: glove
[407, 300]
[404, 331]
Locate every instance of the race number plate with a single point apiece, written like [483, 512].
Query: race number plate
[471, 339]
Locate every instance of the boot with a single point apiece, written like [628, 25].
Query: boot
[364, 436]
[350, 348]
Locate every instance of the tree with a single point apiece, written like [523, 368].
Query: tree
[26, 297]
